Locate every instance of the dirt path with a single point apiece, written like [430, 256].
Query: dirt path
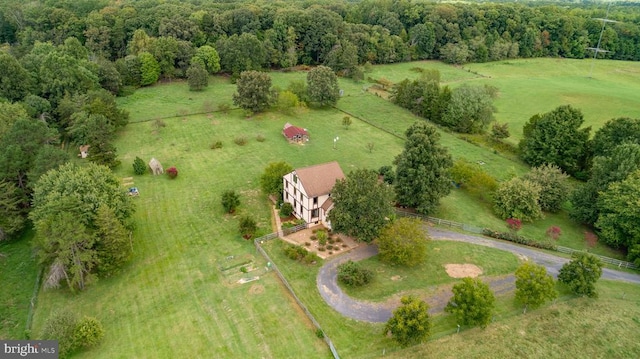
[381, 311]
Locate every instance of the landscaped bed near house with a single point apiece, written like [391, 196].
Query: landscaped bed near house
[333, 245]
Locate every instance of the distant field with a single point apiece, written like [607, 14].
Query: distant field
[603, 89]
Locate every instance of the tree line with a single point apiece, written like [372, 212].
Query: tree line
[338, 34]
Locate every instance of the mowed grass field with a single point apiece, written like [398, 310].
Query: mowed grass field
[172, 298]
[390, 280]
[18, 272]
[569, 327]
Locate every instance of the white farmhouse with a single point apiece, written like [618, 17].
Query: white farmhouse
[308, 190]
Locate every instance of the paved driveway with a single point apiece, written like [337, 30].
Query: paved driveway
[327, 280]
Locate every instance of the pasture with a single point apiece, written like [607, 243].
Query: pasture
[173, 297]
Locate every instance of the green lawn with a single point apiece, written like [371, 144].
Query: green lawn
[603, 327]
[18, 272]
[578, 328]
[172, 297]
[397, 280]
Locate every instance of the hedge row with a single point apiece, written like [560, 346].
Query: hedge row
[513, 237]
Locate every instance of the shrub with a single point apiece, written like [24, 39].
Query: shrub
[216, 145]
[158, 124]
[313, 238]
[240, 140]
[260, 138]
[286, 209]
[329, 247]
[287, 102]
[244, 269]
[88, 333]
[518, 198]
[387, 174]
[554, 232]
[300, 254]
[172, 172]
[591, 238]
[352, 274]
[230, 201]
[307, 244]
[514, 224]
[61, 326]
[513, 237]
[139, 167]
[319, 333]
[247, 227]
[322, 237]
[321, 249]
[346, 122]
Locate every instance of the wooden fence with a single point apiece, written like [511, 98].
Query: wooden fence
[443, 222]
[258, 242]
[613, 261]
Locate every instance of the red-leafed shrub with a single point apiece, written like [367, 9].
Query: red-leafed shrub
[591, 238]
[172, 172]
[514, 224]
[554, 232]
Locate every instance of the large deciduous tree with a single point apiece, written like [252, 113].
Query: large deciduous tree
[581, 274]
[271, 179]
[322, 84]
[619, 216]
[422, 169]
[149, 69]
[254, 91]
[209, 58]
[614, 133]
[554, 186]
[470, 109]
[533, 285]
[14, 80]
[410, 323]
[362, 205]
[556, 138]
[11, 214]
[79, 213]
[197, 76]
[518, 198]
[620, 163]
[240, 53]
[403, 242]
[472, 303]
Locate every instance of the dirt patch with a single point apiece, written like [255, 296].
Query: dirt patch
[256, 289]
[396, 278]
[462, 270]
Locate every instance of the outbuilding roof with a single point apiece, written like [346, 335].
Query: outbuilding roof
[290, 131]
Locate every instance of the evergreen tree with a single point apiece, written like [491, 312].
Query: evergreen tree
[422, 170]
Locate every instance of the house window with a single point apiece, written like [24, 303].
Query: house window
[315, 201]
[300, 196]
[295, 192]
[286, 195]
[314, 213]
[286, 184]
[295, 179]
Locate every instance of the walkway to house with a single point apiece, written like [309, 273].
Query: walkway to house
[382, 311]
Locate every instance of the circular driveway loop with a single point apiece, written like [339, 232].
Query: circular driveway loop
[327, 280]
